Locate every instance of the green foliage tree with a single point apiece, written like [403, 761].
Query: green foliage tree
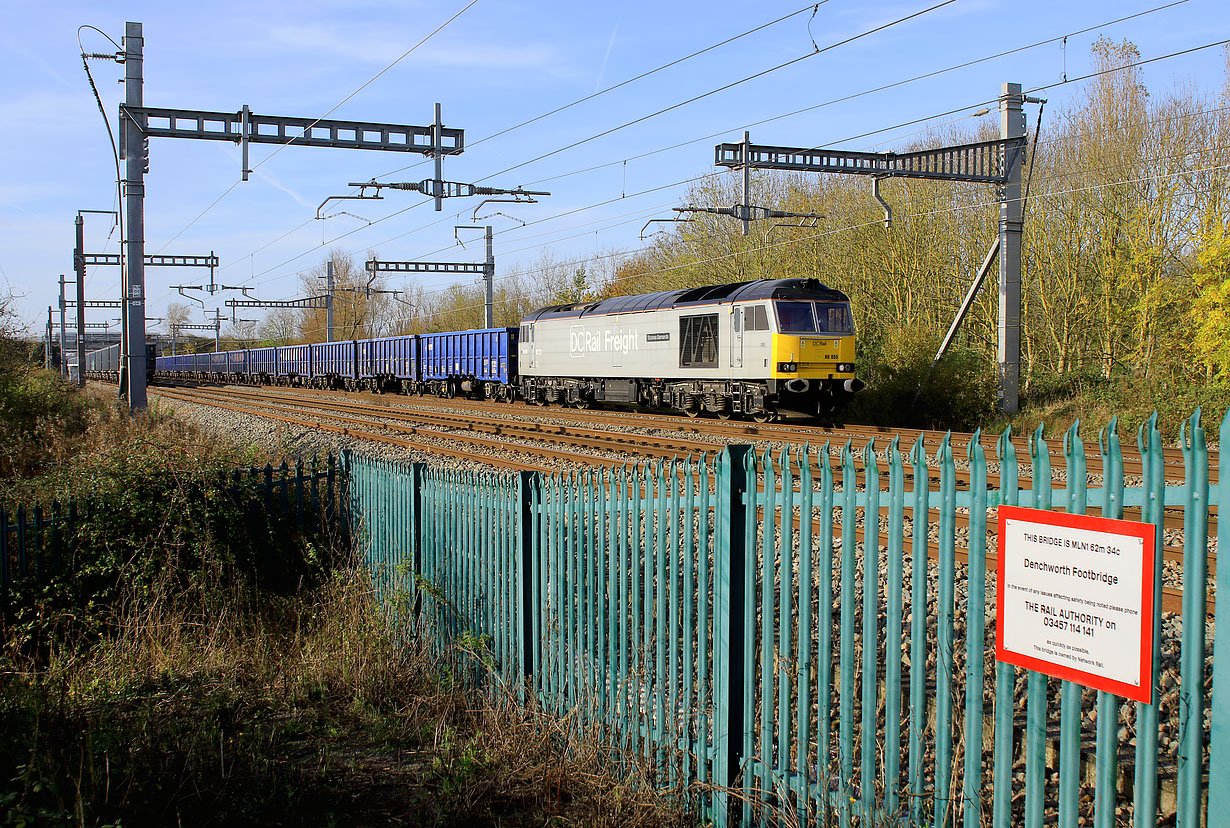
[1211, 308]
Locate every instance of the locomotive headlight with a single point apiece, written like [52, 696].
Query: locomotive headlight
[787, 367]
[845, 368]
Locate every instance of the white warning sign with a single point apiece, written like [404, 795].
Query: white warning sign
[1076, 598]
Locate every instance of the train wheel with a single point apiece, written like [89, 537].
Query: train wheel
[724, 415]
[692, 410]
[762, 416]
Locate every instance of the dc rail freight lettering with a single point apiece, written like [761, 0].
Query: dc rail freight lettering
[747, 349]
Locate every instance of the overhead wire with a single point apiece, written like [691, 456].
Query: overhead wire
[861, 225]
[696, 179]
[863, 93]
[115, 153]
[897, 126]
[724, 88]
[699, 178]
[679, 104]
[306, 130]
[813, 6]
[621, 84]
[923, 120]
[834, 101]
[1069, 175]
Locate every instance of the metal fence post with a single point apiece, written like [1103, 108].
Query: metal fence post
[344, 505]
[729, 572]
[527, 553]
[1219, 736]
[417, 473]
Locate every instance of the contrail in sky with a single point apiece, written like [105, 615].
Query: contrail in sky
[609, 47]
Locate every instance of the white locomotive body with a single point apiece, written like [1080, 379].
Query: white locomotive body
[743, 349]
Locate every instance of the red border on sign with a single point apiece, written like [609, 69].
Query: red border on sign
[1147, 532]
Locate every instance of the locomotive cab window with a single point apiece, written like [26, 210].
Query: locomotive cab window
[757, 318]
[834, 318]
[698, 341]
[795, 317]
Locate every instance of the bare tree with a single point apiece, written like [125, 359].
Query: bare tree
[361, 306]
[279, 327]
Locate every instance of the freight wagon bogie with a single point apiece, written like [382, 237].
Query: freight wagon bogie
[470, 388]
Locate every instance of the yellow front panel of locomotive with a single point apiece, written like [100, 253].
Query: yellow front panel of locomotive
[816, 356]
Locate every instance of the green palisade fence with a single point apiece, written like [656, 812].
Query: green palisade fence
[721, 620]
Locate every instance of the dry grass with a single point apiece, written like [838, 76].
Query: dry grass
[181, 689]
[288, 711]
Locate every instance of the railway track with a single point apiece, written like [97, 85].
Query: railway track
[666, 445]
[791, 432]
[352, 416]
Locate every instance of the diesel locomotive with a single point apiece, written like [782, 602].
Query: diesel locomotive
[746, 349]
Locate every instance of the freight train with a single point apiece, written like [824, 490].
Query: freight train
[748, 349]
[104, 364]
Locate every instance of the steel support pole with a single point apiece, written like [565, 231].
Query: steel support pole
[329, 300]
[134, 200]
[747, 179]
[64, 353]
[47, 341]
[79, 266]
[966, 304]
[489, 277]
[437, 132]
[1011, 125]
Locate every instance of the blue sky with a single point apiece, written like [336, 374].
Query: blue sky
[497, 64]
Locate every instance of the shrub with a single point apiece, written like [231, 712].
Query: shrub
[903, 390]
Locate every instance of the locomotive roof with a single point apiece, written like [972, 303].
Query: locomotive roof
[704, 295]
